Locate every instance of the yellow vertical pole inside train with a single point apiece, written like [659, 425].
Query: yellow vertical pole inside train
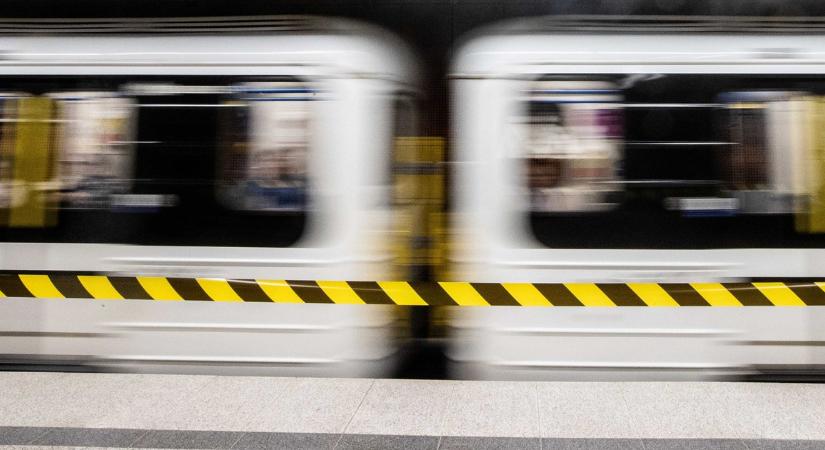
[812, 220]
[32, 162]
[7, 128]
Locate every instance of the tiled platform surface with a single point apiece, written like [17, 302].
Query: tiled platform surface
[69, 410]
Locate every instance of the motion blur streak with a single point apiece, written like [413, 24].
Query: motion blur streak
[262, 176]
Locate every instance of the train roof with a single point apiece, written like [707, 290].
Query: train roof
[569, 44]
[202, 46]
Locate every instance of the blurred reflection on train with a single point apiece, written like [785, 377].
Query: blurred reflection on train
[229, 155]
[631, 157]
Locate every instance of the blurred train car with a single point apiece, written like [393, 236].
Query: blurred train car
[245, 149]
[616, 156]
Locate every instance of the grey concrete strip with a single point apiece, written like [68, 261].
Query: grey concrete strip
[286, 441]
[188, 439]
[20, 435]
[89, 437]
[592, 444]
[489, 443]
[694, 444]
[384, 442]
[68, 438]
[772, 444]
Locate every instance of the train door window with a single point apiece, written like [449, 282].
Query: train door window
[94, 145]
[572, 145]
[223, 163]
[266, 141]
[672, 161]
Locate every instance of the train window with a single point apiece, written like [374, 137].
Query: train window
[673, 161]
[212, 161]
[571, 133]
[94, 145]
[265, 145]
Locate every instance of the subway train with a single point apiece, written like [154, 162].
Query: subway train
[288, 149]
[165, 150]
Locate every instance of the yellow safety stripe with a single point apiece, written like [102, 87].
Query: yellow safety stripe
[779, 294]
[340, 292]
[218, 290]
[159, 288]
[40, 286]
[100, 287]
[716, 294]
[402, 293]
[279, 291]
[652, 294]
[463, 294]
[589, 294]
[526, 294]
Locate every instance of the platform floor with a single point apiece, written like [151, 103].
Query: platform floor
[70, 410]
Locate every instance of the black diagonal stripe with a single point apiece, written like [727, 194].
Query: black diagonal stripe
[370, 292]
[810, 293]
[11, 286]
[684, 294]
[189, 289]
[621, 294]
[747, 294]
[69, 286]
[129, 288]
[495, 294]
[249, 291]
[558, 294]
[309, 291]
[433, 294]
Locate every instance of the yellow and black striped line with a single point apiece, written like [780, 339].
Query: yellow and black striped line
[99, 287]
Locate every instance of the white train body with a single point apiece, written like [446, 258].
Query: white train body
[496, 242]
[357, 73]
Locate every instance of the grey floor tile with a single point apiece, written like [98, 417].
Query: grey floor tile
[694, 444]
[35, 397]
[306, 405]
[287, 441]
[20, 435]
[772, 410]
[385, 442]
[591, 444]
[188, 439]
[678, 410]
[497, 409]
[584, 410]
[403, 407]
[780, 444]
[90, 437]
[489, 443]
[95, 399]
[141, 401]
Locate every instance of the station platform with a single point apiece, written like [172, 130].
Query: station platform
[49, 410]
